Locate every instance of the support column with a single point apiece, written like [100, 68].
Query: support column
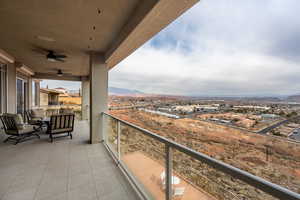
[29, 94]
[11, 88]
[37, 92]
[85, 99]
[98, 95]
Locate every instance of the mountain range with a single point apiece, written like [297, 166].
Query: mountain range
[128, 92]
[123, 92]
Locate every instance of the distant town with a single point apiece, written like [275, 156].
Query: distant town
[258, 115]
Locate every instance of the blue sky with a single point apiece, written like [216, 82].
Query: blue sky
[220, 47]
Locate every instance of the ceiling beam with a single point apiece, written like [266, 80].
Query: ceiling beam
[55, 77]
[150, 17]
[5, 57]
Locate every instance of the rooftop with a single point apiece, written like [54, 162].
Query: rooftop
[46, 90]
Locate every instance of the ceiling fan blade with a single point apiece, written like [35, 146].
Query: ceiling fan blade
[60, 56]
[40, 49]
[58, 59]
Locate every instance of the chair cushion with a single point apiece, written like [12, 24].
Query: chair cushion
[26, 129]
[17, 118]
[66, 111]
[36, 118]
[38, 113]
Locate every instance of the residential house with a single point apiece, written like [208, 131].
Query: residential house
[49, 97]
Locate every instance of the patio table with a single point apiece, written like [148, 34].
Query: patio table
[45, 121]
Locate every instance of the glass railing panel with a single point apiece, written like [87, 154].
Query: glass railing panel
[111, 137]
[271, 158]
[144, 159]
[193, 180]
[283, 161]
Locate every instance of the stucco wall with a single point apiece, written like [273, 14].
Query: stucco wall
[43, 99]
[11, 88]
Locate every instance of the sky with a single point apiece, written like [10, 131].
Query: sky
[70, 85]
[220, 48]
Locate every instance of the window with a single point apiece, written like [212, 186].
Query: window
[3, 88]
[33, 94]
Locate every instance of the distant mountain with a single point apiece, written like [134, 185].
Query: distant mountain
[123, 92]
[293, 98]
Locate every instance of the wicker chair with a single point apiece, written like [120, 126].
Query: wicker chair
[59, 124]
[16, 129]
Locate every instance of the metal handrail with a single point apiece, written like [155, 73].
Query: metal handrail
[255, 181]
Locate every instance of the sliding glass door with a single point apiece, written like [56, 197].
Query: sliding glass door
[22, 88]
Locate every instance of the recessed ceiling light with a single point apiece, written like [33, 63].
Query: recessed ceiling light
[48, 39]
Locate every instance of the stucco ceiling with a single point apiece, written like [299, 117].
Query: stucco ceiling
[76, 26]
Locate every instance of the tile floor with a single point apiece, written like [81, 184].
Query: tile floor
[63, 170]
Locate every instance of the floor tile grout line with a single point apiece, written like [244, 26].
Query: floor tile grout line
[11, 181]
[68, 168]
[42, 177]
[92, 172]
[10, 185]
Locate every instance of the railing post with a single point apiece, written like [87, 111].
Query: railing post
[102, 117]
[169, 160]
[104, 127]
[119, 140]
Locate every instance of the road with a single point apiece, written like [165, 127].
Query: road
[262, 131]
[267, 129]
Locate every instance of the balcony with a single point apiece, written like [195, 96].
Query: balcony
[129, 164]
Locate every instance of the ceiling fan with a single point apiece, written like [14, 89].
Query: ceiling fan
[58, 72]
[51, 55]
